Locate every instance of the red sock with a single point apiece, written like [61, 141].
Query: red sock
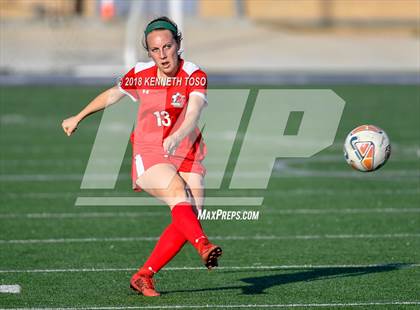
[168, 245]
[185, 220]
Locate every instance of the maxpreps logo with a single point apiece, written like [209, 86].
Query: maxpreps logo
[238, 163]
[219, 214]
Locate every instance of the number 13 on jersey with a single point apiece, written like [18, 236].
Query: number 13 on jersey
[162, 118]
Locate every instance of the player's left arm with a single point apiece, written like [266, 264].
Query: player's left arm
[195, 106]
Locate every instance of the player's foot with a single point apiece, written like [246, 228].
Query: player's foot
[209, 254]
[144, 285]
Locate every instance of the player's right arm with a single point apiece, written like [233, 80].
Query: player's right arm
[105, 99]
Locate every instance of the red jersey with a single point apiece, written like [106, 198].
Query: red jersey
[163, 103]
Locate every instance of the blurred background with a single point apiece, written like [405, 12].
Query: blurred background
[235, 41]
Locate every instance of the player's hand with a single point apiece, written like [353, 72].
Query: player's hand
[70, 125]
[171, 143]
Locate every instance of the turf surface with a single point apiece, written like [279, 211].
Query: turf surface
[326, 234]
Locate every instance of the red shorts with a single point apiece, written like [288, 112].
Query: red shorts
[143, 160]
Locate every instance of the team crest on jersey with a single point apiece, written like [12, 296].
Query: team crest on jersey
[178, 100]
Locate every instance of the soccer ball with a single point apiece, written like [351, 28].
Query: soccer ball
[367, 148]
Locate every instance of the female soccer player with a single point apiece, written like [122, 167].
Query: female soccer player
[167, 145]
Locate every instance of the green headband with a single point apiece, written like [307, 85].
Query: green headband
[160, 24]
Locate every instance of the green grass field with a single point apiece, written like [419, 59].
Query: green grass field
[327, 236]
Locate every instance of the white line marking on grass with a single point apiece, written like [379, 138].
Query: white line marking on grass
[277, 267]
[389, 175]
[344, 211]
[146, 201]
[252, 306]
[341, 192]
[10, 289]
[283, 169]
[277, 192]
[40, 177]
[78, 240]
[280, 170]
[40, 195]
[341, 211]
[82, 215]
[310, 237]
[268, 237]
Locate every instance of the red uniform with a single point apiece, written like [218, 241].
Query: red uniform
[163, 104]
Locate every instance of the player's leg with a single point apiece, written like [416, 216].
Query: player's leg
[163, 182]
[195, 182]
[169, 244]
[174, 193]
[185, 225]
[172, 240]
[155, 181]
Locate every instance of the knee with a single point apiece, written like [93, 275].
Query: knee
[178, 190]
[176, 194]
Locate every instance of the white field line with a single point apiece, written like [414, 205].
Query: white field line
[150, 201]
[10, 289]
[342, 211]
[258, 267]
[40, 177]
[404, 153]
[40, 195]
[89, 215]
[278, 192]
[233, 306]
[268, 237]
[280, 170]
[82, 215]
